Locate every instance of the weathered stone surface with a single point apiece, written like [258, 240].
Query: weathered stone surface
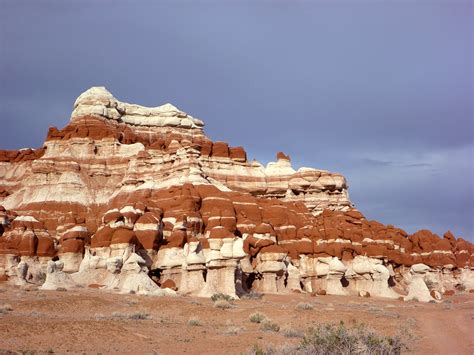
[124, 190]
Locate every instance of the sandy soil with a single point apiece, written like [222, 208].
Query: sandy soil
[92, 321]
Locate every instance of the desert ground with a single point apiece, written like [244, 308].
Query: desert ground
[92, 321]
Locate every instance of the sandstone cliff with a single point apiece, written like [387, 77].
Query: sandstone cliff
[134, 198]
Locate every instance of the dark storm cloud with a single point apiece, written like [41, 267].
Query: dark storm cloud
[377, 90]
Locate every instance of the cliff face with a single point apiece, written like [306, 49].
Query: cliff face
[129, 190]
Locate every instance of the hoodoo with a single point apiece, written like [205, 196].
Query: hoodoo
[132, 198]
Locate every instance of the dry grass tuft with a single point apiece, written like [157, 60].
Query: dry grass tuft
[233, 330]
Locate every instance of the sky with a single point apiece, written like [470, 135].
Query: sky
[380, 91]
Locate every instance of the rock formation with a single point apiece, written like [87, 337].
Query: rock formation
[138, 199]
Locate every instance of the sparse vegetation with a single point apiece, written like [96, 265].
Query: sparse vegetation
[136, 316]
[304, 306]
[233, 330]
[289, 332]
[252, 295]
[220, 296]
[222, 304]
[269, 326]
[139, 316]
[194, 322]
[338, 339]
[257, 317]
[257, 350]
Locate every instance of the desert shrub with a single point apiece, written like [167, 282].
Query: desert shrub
[460, 287]
[269, 326]
[233, 330]
[304, 306]
[220, 296]
[331, 338]
[136, 316]
[194, 322]
[252, 295]
[139, 316]
[257, 317]
[222, 304]
[289, 332]
[338, 339]
[257, 350]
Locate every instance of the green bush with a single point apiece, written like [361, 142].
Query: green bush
[257, 317]
[220, 296]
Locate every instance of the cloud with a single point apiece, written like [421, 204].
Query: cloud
[382, 94]
[376, 162]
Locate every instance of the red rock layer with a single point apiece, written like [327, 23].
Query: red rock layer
[98, 128]
[190, 212]
[16, 156]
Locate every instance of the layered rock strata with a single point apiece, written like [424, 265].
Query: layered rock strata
[138, 199]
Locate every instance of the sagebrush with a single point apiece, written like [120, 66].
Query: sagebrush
[257, 317]
[331, 338]
[221, 296]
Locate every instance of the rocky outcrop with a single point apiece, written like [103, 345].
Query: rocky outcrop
[138, 199]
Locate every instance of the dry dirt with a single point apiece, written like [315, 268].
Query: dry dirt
[92, 321]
